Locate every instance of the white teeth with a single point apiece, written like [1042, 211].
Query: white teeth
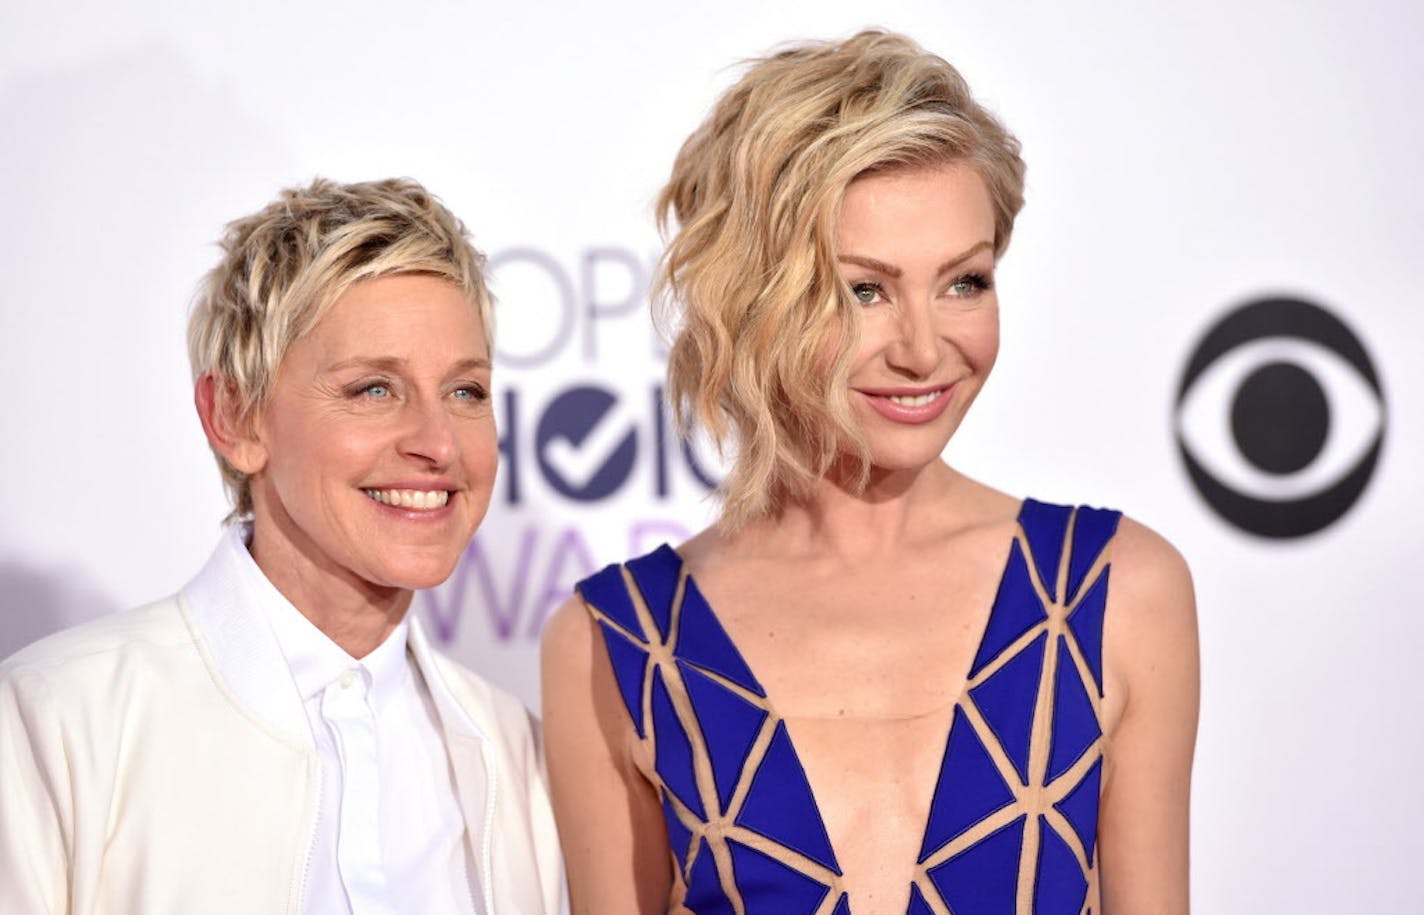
[414, 499]
[918, 400]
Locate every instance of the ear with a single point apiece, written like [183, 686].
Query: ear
[230, 437]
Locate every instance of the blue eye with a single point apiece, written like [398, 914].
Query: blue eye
[473, 393]
[969, 285]
[378, 390]
[866, 293]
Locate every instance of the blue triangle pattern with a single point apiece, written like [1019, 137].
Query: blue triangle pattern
[672, 750]
[729, 723]
[918, 906]
[1075, 727]
[1080, 808]
[780, 806]
[630, 666]
[1060, 887]
[842, 905]
[656, 577]
[701, 640]
[984, 878]
[606, 591]
[1092, 529]
[969, 787]
[1086, 623]
[1045, 526]
[1016, 610]
[1007, 701]
[769, 887]
[704, 888]
[679, 836]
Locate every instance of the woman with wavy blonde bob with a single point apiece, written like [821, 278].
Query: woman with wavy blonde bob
[875, 684]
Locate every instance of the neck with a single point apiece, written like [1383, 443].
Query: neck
[856, 525]
[354, 613]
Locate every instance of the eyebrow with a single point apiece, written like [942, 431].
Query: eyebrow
[393, 364]
[880, 266]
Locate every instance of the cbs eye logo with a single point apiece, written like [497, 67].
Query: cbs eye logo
[1280, 418]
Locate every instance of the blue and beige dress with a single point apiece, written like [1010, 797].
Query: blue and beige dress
[1012, 823]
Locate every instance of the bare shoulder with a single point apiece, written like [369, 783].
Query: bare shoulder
[580, 696]
[567, 641]
[1151, 584]
[705, 547]
[1150, 632]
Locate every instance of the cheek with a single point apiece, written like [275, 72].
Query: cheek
[348, 446]
[479, 446]
[294, 453]
[873, 334]
[334, 450]
[979, 341]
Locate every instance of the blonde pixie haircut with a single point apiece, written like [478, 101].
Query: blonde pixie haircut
[766, 326]
[284, 266]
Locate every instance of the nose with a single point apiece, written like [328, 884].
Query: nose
[916, 347]
[427, 433]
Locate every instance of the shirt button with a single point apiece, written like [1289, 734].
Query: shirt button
[347, 678]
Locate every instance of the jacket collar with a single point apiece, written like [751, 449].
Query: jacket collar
[224, 604]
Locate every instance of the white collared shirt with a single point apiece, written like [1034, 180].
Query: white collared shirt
[390, 837]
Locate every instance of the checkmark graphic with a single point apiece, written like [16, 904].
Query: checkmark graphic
[577, 463]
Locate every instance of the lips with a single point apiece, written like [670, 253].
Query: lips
[911, 406]
[419, 500]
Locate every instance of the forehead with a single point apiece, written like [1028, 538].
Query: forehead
[915, 207]
[407, 314]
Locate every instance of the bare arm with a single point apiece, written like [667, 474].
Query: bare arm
[1151, 644]
[609, 817]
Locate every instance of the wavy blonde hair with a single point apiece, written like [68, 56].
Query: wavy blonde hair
[766, 325]
[284, 266]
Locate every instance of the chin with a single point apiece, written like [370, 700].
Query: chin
[417, 573]
[906, 456]
[901, 448]
[883, 465]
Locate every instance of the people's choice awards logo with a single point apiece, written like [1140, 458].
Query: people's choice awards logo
[1280, 417]
[584, 452]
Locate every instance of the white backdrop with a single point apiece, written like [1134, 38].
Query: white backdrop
[1183, 159]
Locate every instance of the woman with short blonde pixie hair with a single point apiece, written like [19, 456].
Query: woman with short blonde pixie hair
[875, 684]
[283, 267]
[280, 735]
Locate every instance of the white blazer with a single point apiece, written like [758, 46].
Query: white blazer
[159, 761]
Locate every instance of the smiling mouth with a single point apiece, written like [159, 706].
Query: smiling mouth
[410, 499]
[909, 406]
[916, 400]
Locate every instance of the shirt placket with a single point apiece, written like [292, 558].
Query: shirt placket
[346, 708]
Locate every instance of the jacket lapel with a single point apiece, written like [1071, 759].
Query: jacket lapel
[475, 770]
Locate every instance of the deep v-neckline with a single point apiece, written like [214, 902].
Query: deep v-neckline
[983, 617]
[1013, 814]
